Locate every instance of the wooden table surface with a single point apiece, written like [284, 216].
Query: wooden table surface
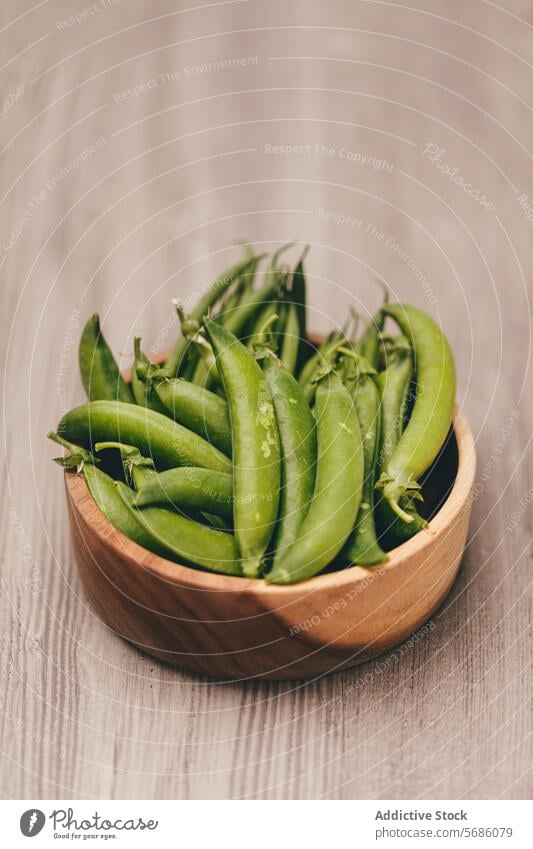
[139, 141]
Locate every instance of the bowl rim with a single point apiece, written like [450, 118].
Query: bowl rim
[188, 577]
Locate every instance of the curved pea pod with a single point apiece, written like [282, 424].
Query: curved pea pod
[267, 316]
[297, 431]
[394, 386]
[213, 294]
[290, 339]
[187, 486]
[338, 487]
[142, 390]
[166, 442]
[256, 447]
[99, 372]
[432, 411]
[362, 546]
[104, 492]
[243, 284]
[114, 499]
[196, 408]
[185, 540]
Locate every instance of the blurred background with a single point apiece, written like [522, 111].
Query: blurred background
[139, 142]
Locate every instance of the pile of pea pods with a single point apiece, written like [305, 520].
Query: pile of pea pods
[254, 450]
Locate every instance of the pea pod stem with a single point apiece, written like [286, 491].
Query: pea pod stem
[213, 294]
[142, 391]
[137, 469]
[78, 456]
[320, 360]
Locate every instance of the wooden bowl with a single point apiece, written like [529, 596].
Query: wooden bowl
[236, 628]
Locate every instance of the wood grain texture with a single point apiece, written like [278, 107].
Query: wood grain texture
[129, 165]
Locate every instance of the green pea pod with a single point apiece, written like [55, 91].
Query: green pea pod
[362, 546]
[200, 375]
[168, 443]
[394, 384]
[114, 499]
[213, 294]
[253, 299]
[369, 343]
[256, 447]
[142, 391]
[199, 489]
[243, 286]
[290, 339]
[186, 488]
[100, 374]
[186, 540]
[264, 317]
[200, 367]
[299, 297]
[244, 283]
[297, 431]
[104, 493]
[198, 409]
[159, 530]
[338, 488]
[432, 410]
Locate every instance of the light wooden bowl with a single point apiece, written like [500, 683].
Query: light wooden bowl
[235, 628]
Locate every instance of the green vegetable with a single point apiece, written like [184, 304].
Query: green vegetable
[184, 539]
[362, 546]
[256, 448]
[99, 372]
[142, 391]
[394, 384]
[201, 489]
[196, 408]
[432, 411]
[338, 487]
[156, 436]
[297, 430]
[213, 294]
